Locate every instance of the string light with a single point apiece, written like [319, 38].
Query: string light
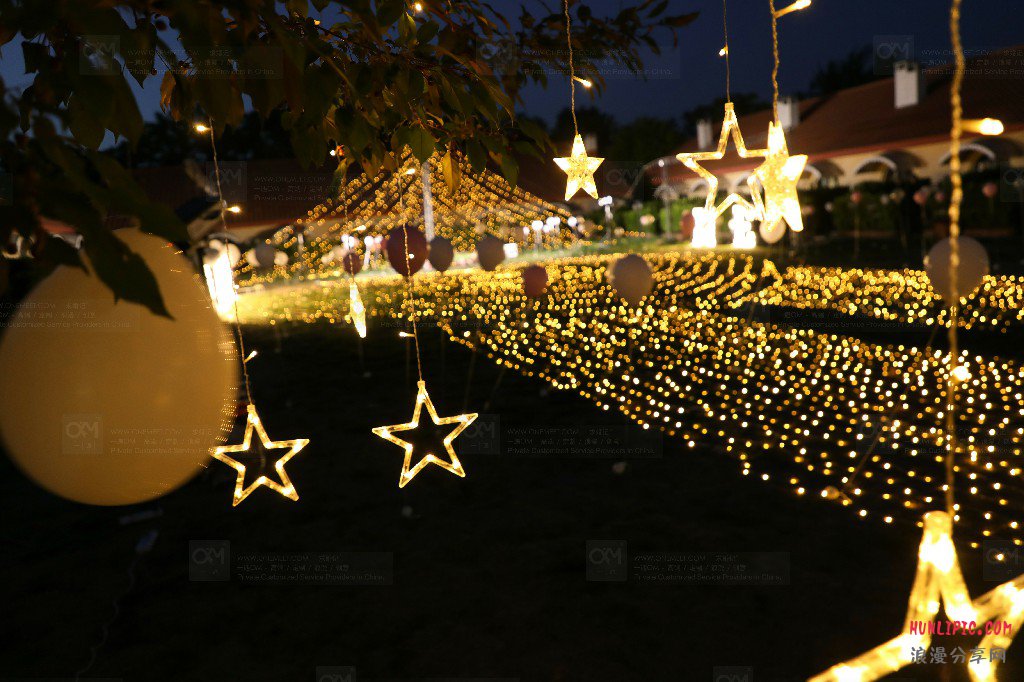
[408, 469]
[226, 454]
[796, 6]
[577, 166]
[939, 583]
[797, 406]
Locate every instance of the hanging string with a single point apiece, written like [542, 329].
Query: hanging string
[572, 67]
[408, 279]
[725, 30]
[775, 64]
[224, 225]
[956, 197]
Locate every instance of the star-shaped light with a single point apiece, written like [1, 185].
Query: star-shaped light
[262, 461]
[939, 578]
[357, 311]
[730, 128]
[778, 176]
[580, 169]
[453, 465]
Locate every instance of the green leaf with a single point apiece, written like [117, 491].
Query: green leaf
[510, 169]
[419, 140]
[389, 11]
[87, 130]
[451, 172]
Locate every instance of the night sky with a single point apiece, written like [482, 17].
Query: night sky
[692, 73]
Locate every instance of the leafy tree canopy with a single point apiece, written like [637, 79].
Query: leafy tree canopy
[370, 76]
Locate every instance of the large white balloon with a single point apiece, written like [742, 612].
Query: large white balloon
[972, 270]
[631, 278]
[105, 403]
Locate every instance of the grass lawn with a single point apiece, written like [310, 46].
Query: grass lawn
[490, 572]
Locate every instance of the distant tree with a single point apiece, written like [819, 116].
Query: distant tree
[166, 142]
[744, 103]
[846, 72]
[643, 140]
[592, 121]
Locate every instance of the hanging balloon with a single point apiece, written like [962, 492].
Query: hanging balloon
[490, 252]
[921, 196]
[142, 398]
[770, 234]
[972, 270]
[441, 253]
[262, 256]
[631, 278]
[352, 262]
[990, 190]
[396, 246]
[535, 281]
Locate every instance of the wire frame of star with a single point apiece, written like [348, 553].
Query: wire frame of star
[232, 455]
[939, 578]
[409, 470]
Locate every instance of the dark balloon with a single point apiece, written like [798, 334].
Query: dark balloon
[396, 246]
[352, 262]
[441, 253]
[535, 281]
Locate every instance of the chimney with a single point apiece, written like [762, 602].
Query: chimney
[705, 133]
[789, 112]
[908, 81]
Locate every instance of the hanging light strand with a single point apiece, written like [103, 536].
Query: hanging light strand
[956, 197]
[224, 226]
[775, 62]
[572, 67]
[725, 50]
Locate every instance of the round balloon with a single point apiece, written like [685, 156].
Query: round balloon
[535, 281]
[441, 253]
[405, 262]
[972, 270]
[352, 262]
[263, 256]
[490, 252]
[631, 278]
[105, 403]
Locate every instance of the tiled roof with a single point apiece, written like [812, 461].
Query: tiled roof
[864, 118]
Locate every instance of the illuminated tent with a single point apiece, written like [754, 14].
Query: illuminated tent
[367, 206]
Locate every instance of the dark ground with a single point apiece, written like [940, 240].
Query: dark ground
[490, 574]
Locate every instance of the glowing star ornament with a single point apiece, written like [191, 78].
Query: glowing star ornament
[939, 582]
[580, 168]
[778, 176]
[730, 128]
[357, 311]
[257, 453]
[460, 421]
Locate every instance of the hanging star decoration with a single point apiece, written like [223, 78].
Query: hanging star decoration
[730, 128]
[460, 421]
[265, 466]
[939, 578]
[778, 176]
[580, 168]
[357, 311]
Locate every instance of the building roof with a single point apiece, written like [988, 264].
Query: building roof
[864, 118]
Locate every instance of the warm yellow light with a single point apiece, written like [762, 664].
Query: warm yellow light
[796, 6]
[202, 128]
[583, 81]
[991, 126]
[408, 470]
[418, 7]
[961, 373]
[724, 51]
[230, 455]
[580, 168]
[234, 208]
